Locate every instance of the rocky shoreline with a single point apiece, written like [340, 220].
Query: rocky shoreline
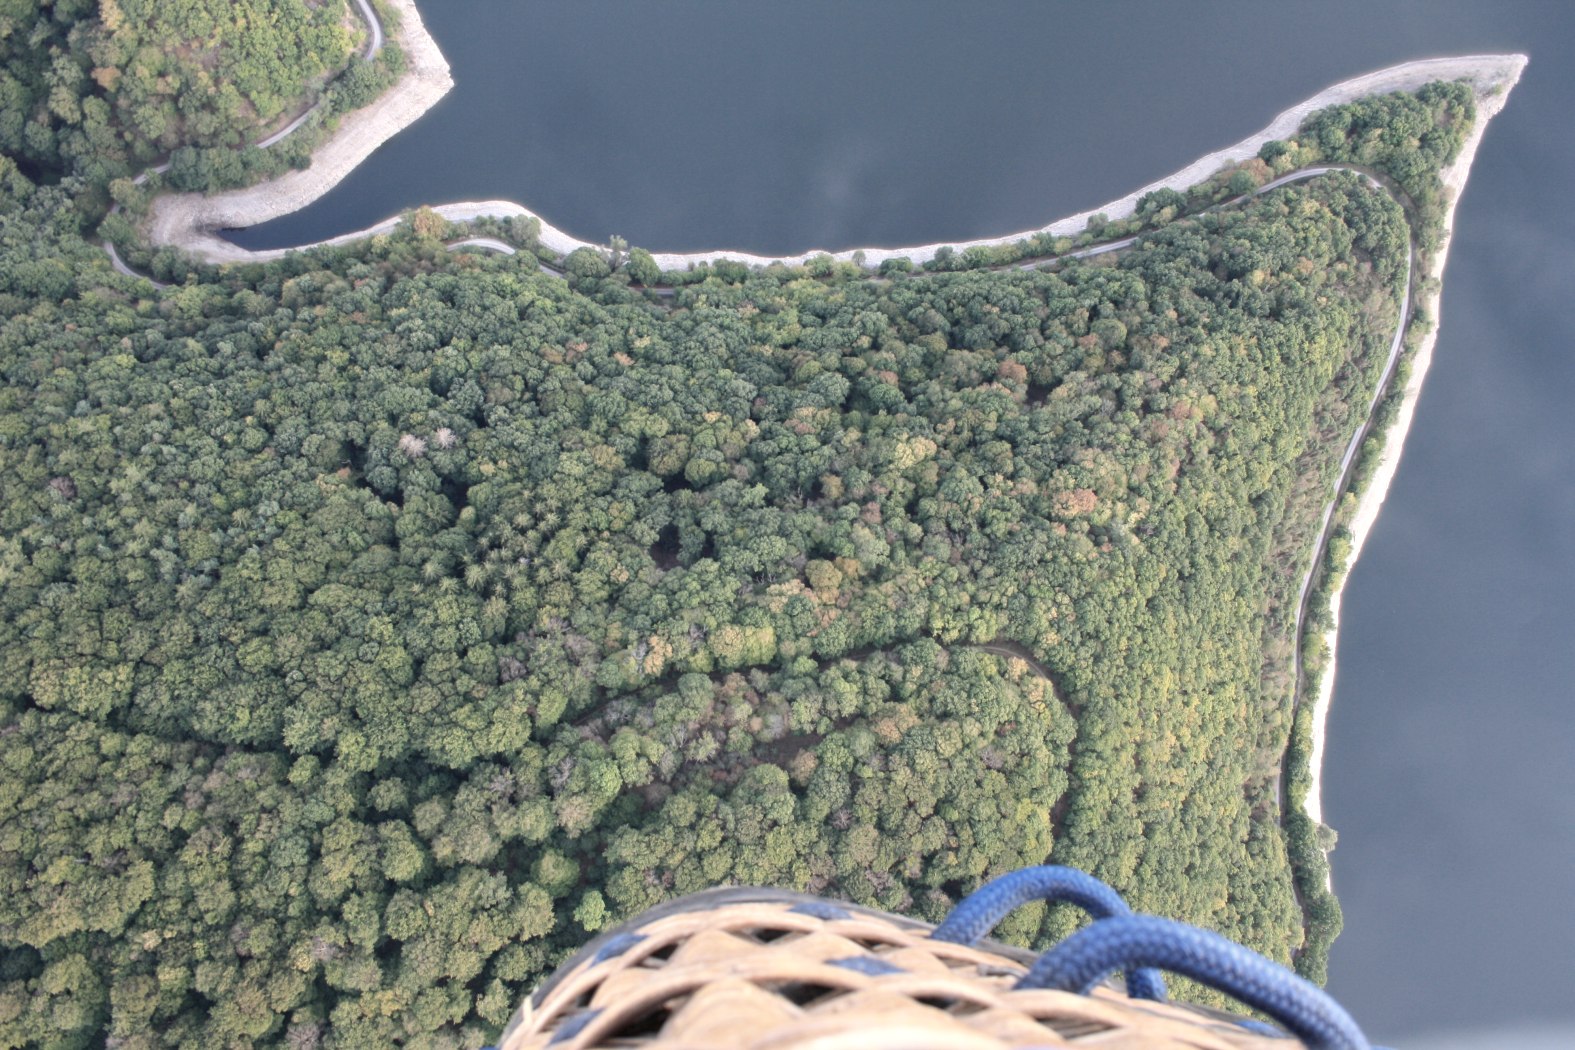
[190, 221]
[1492, 92]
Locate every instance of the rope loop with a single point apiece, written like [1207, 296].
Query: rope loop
[983, 909]
[1126, 941]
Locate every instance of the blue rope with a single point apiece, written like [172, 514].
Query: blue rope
[983, 909]
[1083, 959]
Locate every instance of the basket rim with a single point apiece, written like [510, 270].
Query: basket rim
[730, 896]
[707, 900]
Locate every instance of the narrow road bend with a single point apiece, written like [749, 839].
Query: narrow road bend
[374, 45]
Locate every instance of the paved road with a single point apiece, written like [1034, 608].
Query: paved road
[1127, 242]
[492, 244]
[373, 23]
[1017, 651]
[288, 130]
[1347, 465]
[1348, 460]
[374, 45]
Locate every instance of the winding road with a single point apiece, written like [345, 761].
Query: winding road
[1348, 459]
[374, 45]
[492, 244]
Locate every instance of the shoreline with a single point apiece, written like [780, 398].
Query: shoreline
[1489, 102]
[374, 45]
[191, 222]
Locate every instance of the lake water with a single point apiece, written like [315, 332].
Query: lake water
[692, 125]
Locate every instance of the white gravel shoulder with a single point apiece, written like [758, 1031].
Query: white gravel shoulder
[188, 221]
[1492, 92]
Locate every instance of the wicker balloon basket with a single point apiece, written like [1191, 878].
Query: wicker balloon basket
[770, 970]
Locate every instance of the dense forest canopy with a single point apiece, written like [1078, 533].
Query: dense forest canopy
[376, 625]
[103, 88]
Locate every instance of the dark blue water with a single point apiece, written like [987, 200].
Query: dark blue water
[692, 125]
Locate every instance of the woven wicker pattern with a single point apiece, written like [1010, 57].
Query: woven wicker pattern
[799, 973]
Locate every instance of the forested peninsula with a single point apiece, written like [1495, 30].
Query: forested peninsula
[378, 623]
